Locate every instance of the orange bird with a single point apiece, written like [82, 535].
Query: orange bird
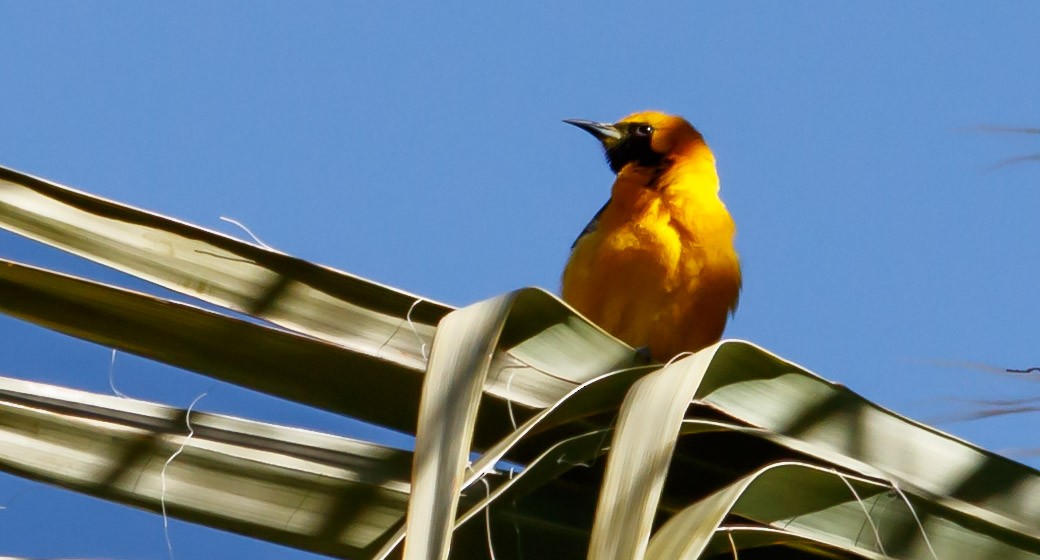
[656, 266]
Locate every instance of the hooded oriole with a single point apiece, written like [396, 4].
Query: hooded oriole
[656, 266]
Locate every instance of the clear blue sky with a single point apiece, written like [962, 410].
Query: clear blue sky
[422, 147]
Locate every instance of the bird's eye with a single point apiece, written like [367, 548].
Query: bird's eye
[644, 130]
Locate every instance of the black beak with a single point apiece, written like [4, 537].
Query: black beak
[606, 133]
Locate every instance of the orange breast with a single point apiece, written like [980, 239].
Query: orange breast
[659, 272]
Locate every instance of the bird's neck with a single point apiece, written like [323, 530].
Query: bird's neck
[688, 177]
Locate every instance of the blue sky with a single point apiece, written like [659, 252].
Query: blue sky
[421, 146]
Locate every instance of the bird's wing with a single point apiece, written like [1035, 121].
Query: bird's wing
[591, 226]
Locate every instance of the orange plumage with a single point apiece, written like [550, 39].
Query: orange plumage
[657, 267]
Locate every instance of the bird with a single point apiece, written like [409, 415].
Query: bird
[656, 267]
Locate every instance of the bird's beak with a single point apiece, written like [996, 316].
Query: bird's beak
[606, 133]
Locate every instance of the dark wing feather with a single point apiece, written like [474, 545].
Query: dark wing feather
[591, 226]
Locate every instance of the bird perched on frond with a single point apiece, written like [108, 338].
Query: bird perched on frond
[656, 266]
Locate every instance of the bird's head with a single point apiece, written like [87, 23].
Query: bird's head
[645, 139]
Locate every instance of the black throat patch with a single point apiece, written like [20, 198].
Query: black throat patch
[632, 148]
